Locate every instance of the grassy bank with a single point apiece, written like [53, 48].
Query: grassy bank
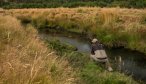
[88, 71]
[114, 27]
[25, 59]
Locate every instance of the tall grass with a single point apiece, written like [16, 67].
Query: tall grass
[24, 59]
[115, 27]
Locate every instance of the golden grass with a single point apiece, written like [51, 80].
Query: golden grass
[105, 15]
[130, 22]
[24, 59]
[122, 20]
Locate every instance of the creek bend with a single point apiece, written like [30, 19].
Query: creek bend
[125, 61]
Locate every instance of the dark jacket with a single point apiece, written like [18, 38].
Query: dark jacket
[96, 46]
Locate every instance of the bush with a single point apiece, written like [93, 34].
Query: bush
[73, 3]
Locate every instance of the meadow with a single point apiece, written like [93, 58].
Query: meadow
[114, 27]
[27, 59]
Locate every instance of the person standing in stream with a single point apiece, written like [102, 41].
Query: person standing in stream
[98, 54]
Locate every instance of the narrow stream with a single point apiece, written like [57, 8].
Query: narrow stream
[126, 61]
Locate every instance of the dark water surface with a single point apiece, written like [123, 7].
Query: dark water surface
[126, 61]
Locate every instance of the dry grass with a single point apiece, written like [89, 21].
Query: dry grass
[24, 59]
[89, 17]
[123, 27]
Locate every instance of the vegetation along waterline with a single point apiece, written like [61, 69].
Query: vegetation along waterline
[88, 71]
[26, 59]
[114, 27]
[122, 60]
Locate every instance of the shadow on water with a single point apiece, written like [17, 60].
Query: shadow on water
[126, 61]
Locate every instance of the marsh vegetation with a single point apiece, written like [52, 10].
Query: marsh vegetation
[25, 58]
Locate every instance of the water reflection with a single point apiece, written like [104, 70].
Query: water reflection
[133, 63]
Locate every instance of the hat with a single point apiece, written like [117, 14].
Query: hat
[94, 40]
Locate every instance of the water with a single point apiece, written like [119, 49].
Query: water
[126, 61]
